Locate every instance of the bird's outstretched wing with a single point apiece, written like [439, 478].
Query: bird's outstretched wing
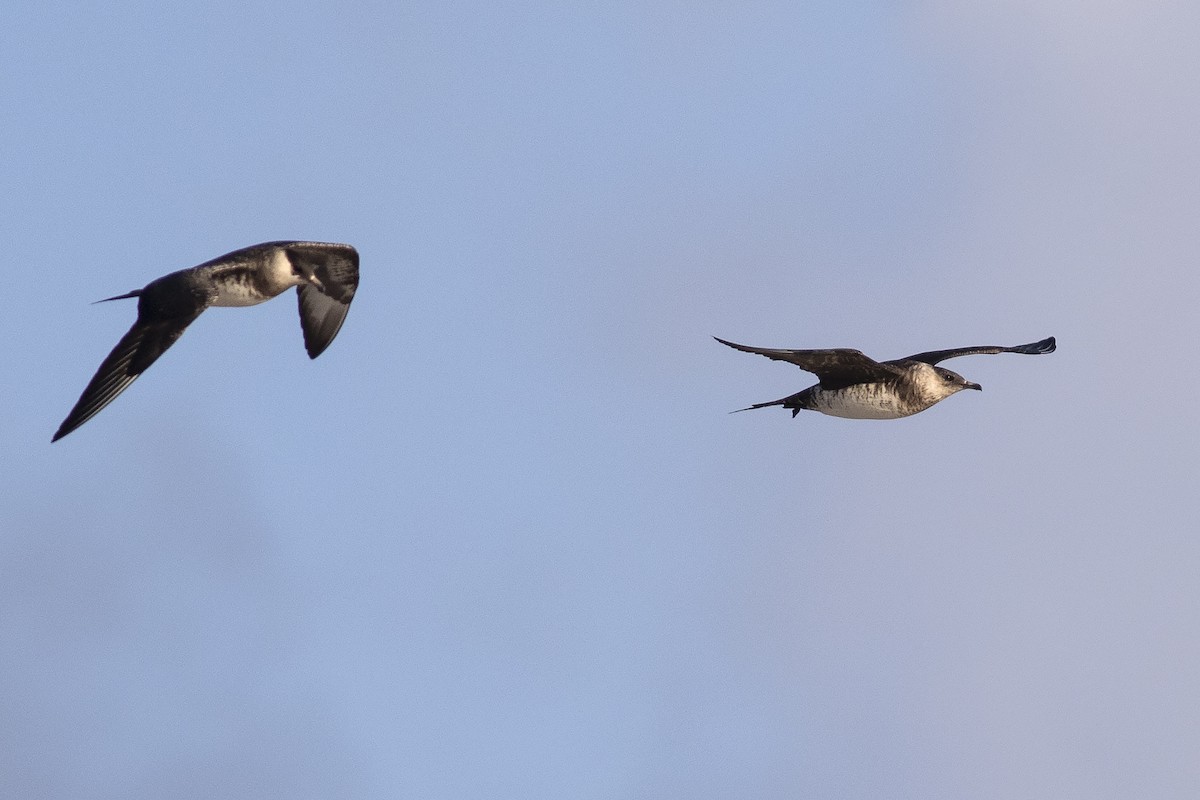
[322, 311]
[1033, 349]
[137, 350]
[836, 368]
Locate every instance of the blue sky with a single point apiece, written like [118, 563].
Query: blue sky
[502, 539]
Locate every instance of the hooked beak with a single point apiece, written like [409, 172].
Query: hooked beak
[974, 386]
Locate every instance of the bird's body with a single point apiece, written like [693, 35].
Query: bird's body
[882, 400]
[855, 386]
[325, 274]
[247, 282]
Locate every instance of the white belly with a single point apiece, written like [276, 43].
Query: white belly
[862, 402]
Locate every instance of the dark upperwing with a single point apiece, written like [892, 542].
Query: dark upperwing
[934, 356]
[835, 368]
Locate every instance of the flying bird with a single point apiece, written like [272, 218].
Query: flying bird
[854, 386]
[325, 276]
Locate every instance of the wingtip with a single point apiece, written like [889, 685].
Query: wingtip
[1047, 345]
[1038, 348]
[316, 345]
[62, 431]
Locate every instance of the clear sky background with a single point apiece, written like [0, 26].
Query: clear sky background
[502, 539]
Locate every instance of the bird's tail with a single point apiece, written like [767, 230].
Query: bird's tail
[134, 293]
[794, 402]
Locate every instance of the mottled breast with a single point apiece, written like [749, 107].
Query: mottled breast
[253, 281]
[864, 401]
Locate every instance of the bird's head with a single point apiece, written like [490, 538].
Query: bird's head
[955, 382]
[304, 268]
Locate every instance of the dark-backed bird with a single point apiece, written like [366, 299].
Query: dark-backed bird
[325, 276]
[854, 386]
